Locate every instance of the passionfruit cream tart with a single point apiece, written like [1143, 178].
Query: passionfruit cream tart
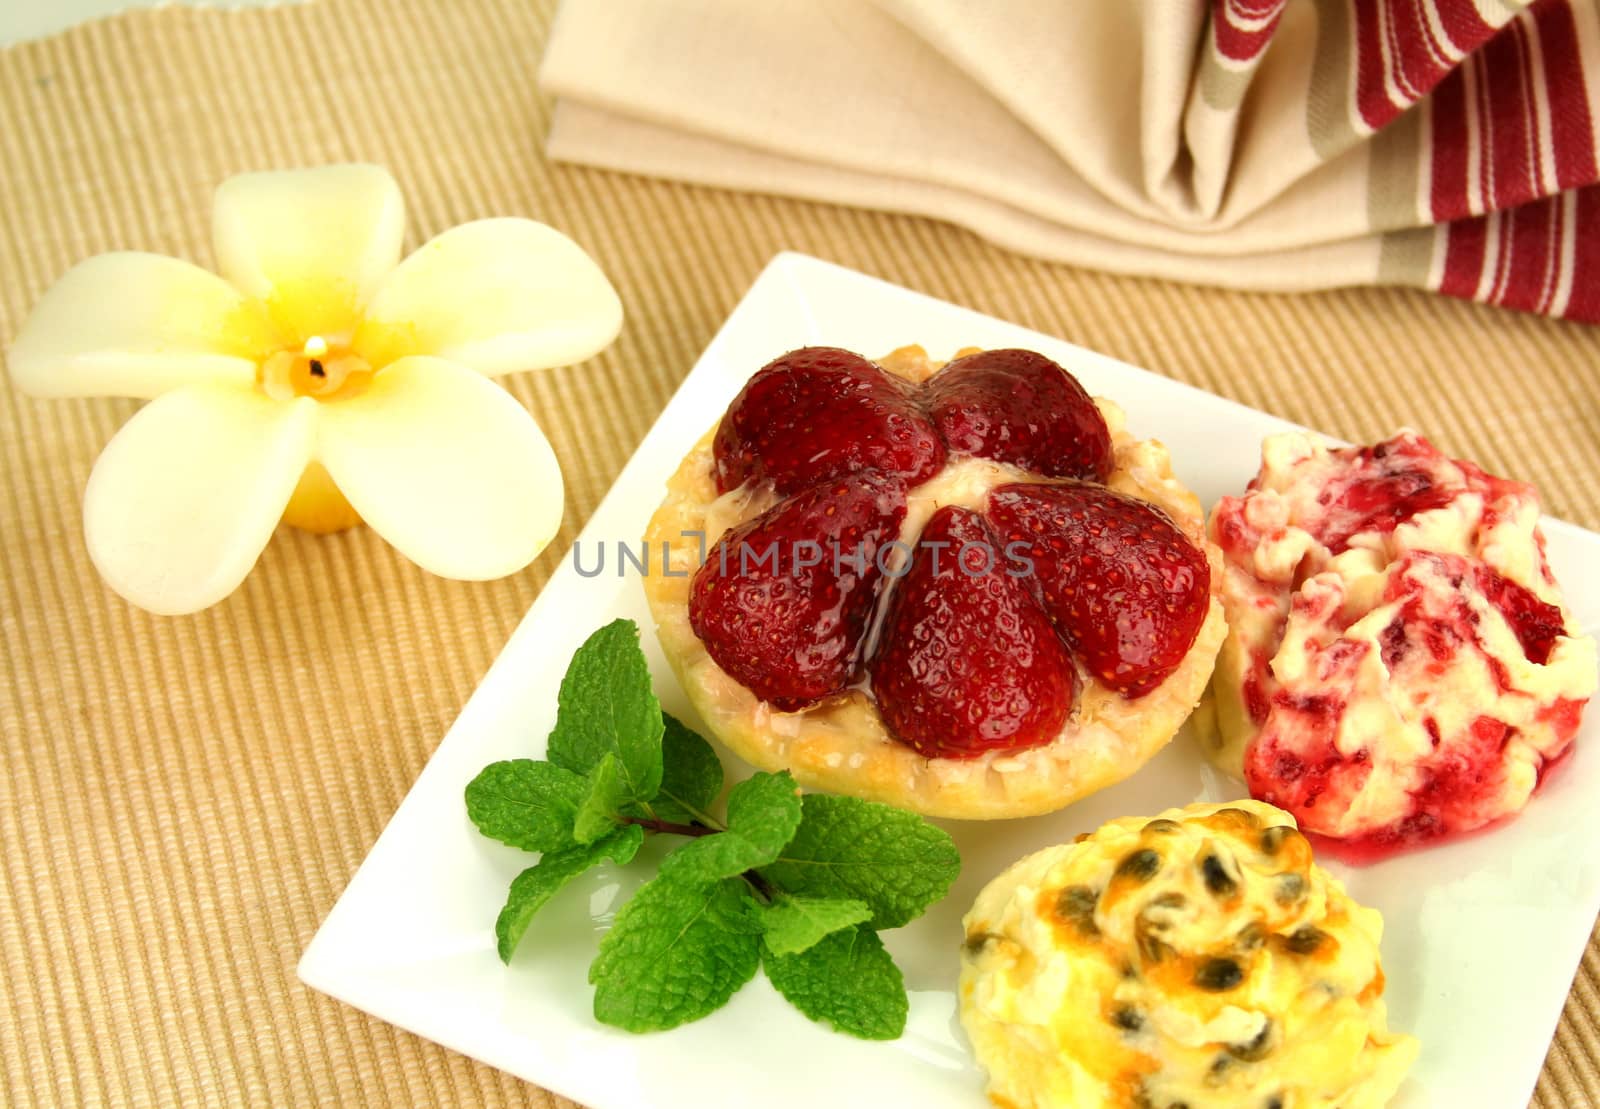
[1197, 959]
[965, 590]
[1400, 664]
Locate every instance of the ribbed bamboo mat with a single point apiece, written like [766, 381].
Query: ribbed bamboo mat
[181, 801]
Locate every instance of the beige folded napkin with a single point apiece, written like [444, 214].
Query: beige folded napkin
[1266, 144]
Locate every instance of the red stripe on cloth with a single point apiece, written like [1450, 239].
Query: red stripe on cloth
[1372, 95]
[1463, 257]
[1486, 121]
[1571, 125]
[1529, 256]
[1414, 56]
[1236, 41]
[1558, 222]
[1462, 22]
[1410, 41]
[1508, 97]
[1502, 225]
[1585, 302]
[1526, 259]
[1448, 192]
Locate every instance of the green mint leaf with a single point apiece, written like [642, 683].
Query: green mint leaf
[606, 707]
[602, 804]
[792, 924]
[691, 778]
[895, 861]
[536, 885]
[763, 813]
[526, 803]
[676, 952]
[847, 980]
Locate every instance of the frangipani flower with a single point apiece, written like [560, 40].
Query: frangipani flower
[320, 380]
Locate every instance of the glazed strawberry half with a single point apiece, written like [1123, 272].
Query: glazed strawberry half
[1018, 406]
[968, 662]
[1018, 584]
[782, 602]
[821, 413]
[1124, 586]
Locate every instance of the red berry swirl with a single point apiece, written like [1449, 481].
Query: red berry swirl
[1399, 665]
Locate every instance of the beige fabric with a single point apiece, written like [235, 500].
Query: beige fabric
[182, 800]
[1266, 144]
[1010, 117]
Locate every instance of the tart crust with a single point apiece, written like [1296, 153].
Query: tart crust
[841, 745]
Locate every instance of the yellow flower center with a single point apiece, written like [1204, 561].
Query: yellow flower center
[322, 369]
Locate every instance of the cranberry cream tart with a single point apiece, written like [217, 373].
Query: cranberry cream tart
[1400, 664]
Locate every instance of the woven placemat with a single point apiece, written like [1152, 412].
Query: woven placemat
[181, 800]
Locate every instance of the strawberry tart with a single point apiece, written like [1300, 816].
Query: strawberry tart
[966, 590]
[1400, 664]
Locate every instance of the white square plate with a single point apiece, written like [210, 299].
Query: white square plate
[1482, 935]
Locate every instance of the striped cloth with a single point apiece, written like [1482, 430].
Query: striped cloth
[1447, 144]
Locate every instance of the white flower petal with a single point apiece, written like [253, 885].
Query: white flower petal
[315, 244]
[447, 466]
[135, 325]
[186, 495]
[497, 295]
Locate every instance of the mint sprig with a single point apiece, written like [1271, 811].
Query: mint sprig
[798, 885]
[527, 804]
[846, 979]
[691, 777]
[763, 813]
[895, 861]
[606, 707]
[541, 881]
[676, 952]
[790, 924]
